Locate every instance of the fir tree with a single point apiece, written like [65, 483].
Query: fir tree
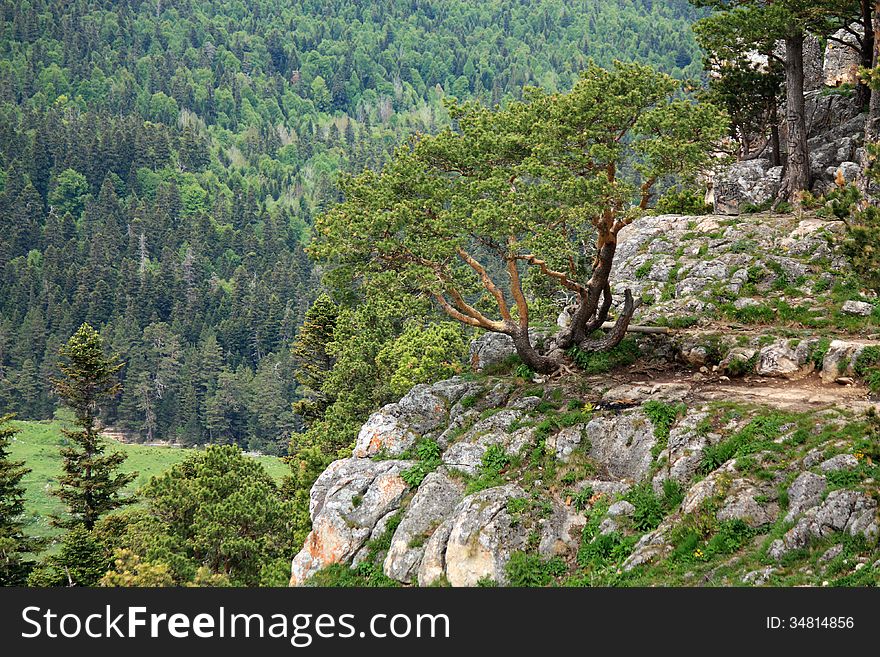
[15, 545]
[90, 485]
[311, 358]
[82, 561]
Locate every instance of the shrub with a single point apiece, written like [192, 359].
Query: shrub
[742, 366]
[818, 351]
[663, 416]
[686, 542]
[841, 202]
[684, 322]
[469, 401]
[650, 509]
[686, 200]
[340, 576]
[731, 536]
[868, 576]
[644, 269]
[571, 418]
[844, 478]
[867, 366]
[760, 314]
[494, 461]
[605, 549]
[525, 569]
[862, 243]
[757, 434]
[581, 499]
[672, 493]
[421, 355]
[428, 455]
[599, 362]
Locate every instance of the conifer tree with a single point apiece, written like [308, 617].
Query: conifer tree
[532, 193]
[311, 358]
[81, 560]
[15, 545]
[90, 485]
[749, 26]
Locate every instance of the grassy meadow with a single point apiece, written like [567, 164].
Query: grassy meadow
[37, 445]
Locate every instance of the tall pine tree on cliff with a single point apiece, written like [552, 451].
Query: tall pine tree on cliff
[516, 204]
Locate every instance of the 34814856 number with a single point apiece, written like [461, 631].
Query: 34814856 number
[820, 622]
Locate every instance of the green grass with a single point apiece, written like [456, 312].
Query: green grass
[599, 362]
[780, 313]
[37, 445]
[867, 366]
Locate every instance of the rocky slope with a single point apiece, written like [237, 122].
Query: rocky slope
[734, 450]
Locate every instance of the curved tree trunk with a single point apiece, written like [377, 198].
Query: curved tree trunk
[530, 356]
[588, 312]
[616, 334]
[589, 315]
[797, 174]
[602, 314]
[549, 363]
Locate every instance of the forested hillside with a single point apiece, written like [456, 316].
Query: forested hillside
[161, 162]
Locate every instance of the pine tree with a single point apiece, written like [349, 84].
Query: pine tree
[15, 545]
[756, 25]
[81, 561]
[28, 391]
[311, 358]
[220, 509]
[90, 485]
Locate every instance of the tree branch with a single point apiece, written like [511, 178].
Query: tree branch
[618, 331]
[488, 283]
[858, 36]
[472, 312]
[620, 224]
[522, 306]
[602, 313]
[564, 280]
[461, 317]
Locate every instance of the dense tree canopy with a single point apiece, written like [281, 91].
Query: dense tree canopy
[16, 548]
[161, 162]
[218, 510]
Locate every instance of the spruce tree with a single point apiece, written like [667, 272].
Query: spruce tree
[311, 360]
[15, 545]
[90, 485]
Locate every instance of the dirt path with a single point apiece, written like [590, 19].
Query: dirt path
[801, 395]
[630, 387]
